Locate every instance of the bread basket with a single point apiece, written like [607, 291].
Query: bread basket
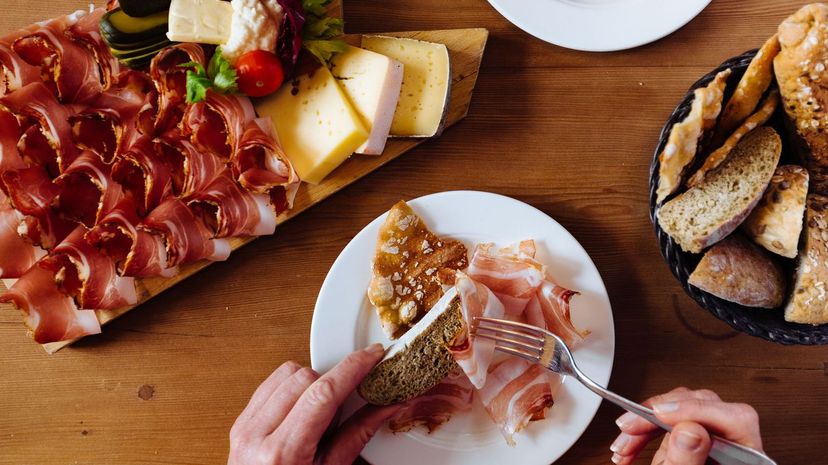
[766, 324]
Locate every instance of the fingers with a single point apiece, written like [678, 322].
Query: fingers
[355, 433]
[631, 423]
[688, 444]
[661, 453]
[278, 405]
[310, 416]
[629, 445]
[268, 386]
[737, 422]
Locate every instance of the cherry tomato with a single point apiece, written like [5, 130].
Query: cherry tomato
[260, 73]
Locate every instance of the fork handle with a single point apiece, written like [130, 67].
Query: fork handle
[722, 450]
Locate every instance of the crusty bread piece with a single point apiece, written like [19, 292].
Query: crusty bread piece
[738, 271]
[719, 155]
[708, 212]
[683, 141]
[420, 359]
[411, 265]
[756, 80]
[809, 301]
[776, 222]
[800, 69]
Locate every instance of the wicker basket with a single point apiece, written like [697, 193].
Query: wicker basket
[763, 323]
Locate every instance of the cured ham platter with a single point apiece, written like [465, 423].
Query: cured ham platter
[138, 146]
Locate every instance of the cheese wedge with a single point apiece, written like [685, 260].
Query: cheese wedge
[315, 122]
[426, 85]
[202, 21]
[372, 82]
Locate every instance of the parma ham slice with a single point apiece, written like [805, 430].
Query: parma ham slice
[49, 314]
[15, 72]
[68, 66]
[10, 133]
[47, 140]
[192, 169]
[136, 252]
[187, 238]
[86, 32]
[31, 193]
[171, 82]
[87, 191]
[145, 174]
[86, 274]
[16, 255]
[435, 407]
[229, 210]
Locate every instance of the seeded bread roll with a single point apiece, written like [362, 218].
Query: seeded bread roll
[418, 360]
[738, 271]
[800, 69]
[714, 208]
[809, 301]
[776, 223]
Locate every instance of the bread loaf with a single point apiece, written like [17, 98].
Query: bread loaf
[776, 223]
[709, 211]
[418, 360]
[738, 271]
[800, 69]
[809, 301]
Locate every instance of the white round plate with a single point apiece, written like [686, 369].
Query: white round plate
[344, 321]
[599, 25]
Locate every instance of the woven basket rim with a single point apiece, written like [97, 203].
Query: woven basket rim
[762, 323]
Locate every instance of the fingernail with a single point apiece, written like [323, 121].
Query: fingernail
[375, 349]
[617, 458]
[620, 442]
[625, 420]
[666, 407]
[687, 440]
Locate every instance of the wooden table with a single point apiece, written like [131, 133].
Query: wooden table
[571, 133]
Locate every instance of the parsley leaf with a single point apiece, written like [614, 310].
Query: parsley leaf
[219, 76]
[319, 34]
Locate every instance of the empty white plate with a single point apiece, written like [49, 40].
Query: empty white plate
[344, 321]
[599, 25]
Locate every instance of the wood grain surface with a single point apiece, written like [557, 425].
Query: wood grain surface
[571, 133]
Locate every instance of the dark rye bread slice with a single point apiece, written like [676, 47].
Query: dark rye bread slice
[706, 213]
[418, 360]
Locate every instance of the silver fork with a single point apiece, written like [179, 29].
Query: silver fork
[547, 349]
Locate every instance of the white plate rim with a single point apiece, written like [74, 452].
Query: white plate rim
[589, 404]
[595, 27]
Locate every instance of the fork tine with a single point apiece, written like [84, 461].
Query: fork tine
[501, 330]
[518, 353]
[514, 325]
[516, 344]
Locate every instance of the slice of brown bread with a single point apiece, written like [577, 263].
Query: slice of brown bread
[418, 360]
[738, 271]
[809, 300]
[709, 211]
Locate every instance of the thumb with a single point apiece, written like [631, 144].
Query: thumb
[689, 445]
[355, 433]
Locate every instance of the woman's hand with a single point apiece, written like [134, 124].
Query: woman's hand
[694, 415]
[288, 419]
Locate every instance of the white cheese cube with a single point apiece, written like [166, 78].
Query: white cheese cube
[426, 84]
[201, 21]
[372, 82]
[315, 122]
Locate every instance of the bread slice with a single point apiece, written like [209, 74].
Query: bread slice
[709, 211]
[418, 360]
[809, 301]
[776, 223]
[737, 270]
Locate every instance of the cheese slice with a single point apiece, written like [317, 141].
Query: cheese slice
[315, 122]
[372, 82]
[426, 84]
[201, 21]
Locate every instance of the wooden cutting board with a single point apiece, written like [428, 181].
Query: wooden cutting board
[465, 51]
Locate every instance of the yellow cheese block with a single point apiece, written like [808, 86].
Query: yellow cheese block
[315, 122]
[202, 21]
[426, 83]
